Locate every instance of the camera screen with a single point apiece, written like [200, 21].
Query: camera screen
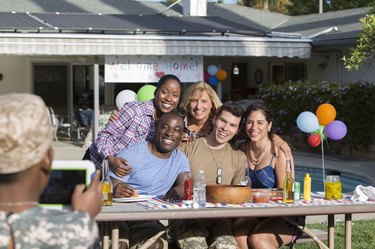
[61, 185]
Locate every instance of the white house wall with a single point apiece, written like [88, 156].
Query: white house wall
[16, 74]
[364, 74]
[328, 66]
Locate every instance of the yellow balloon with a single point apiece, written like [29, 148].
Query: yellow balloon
[221, 75]
[326, 113]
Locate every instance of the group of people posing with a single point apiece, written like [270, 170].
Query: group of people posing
[150, 146]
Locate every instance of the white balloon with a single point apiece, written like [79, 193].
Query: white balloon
[125, 96]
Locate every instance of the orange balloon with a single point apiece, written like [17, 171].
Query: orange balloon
[221, 75]
[326, 113]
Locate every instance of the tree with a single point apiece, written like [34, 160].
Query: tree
[266, 5]
[364, 52]
[304, 7]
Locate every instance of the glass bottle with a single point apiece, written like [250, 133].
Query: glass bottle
[288, 193]
[199, 190]
[106, 185]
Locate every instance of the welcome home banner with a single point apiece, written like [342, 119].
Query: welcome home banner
[149, 68]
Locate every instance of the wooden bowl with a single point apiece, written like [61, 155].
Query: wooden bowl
[229, 194]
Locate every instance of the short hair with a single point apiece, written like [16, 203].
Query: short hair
[232, 107]
[172, 114]
[195, 91]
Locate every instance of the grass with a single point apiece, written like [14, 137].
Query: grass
[362, 235]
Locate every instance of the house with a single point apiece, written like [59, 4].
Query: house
[58, 49]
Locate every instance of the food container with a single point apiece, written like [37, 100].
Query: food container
[229, 194]
[333, 187]
[261, 195]
[277, 194]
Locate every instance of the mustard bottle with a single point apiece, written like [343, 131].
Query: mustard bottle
[307, 187]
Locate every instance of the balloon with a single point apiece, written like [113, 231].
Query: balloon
[146, 93]
[221, 75]
[314, 140]
[206, 77]
[336, 130]
[326, 113]
[213, 80]
[212, 70]
[307, 122]
[125, 96]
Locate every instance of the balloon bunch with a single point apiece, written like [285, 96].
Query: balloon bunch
[146, 92]
[322, 125]
[214, 75]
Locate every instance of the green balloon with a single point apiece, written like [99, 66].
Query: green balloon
[146, 93]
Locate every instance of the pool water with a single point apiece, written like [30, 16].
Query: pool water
[349, 181]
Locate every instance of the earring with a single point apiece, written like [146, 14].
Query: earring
[269, 130]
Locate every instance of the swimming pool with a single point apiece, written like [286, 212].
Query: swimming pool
[349, 181]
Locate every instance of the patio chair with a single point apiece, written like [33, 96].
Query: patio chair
[307, 232]
[58, 125]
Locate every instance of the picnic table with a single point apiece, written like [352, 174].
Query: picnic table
[157, 209]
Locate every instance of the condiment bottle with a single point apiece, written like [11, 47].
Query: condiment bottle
[106, 185]
[307, 187]
[288, 193]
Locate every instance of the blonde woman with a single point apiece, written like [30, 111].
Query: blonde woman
[198, 106]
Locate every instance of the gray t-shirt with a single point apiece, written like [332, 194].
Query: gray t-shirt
[43, 228]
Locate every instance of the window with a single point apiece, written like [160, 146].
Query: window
[283, 72]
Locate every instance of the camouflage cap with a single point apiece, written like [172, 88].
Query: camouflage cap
[25, 131]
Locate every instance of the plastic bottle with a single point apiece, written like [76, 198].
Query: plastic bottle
[199, 190]
[288, 193]
[106, 185]
[307, 187]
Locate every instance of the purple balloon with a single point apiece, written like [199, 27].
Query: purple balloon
[336, 130]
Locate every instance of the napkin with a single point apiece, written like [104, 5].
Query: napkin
[362, 193]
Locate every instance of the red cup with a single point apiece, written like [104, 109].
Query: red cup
[188, 187]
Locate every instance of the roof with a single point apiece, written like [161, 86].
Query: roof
[121, 24]
[347, 21]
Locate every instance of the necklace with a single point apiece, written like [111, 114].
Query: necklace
[219, 171]
[257, 160]
[19, 203]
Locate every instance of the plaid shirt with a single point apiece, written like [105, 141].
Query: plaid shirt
[135, 124]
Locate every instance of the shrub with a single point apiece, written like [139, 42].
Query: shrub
[354, 104]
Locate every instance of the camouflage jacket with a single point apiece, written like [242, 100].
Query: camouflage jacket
[44, 228]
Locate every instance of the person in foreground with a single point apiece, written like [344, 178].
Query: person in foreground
[26, 158]
[222, 164]
[156, 167]
[265, 171]
[136, 123]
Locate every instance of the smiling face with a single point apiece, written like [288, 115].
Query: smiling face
[169, 133]
[200, 106]
[225, 126]
[257, 127]
[167, 95]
